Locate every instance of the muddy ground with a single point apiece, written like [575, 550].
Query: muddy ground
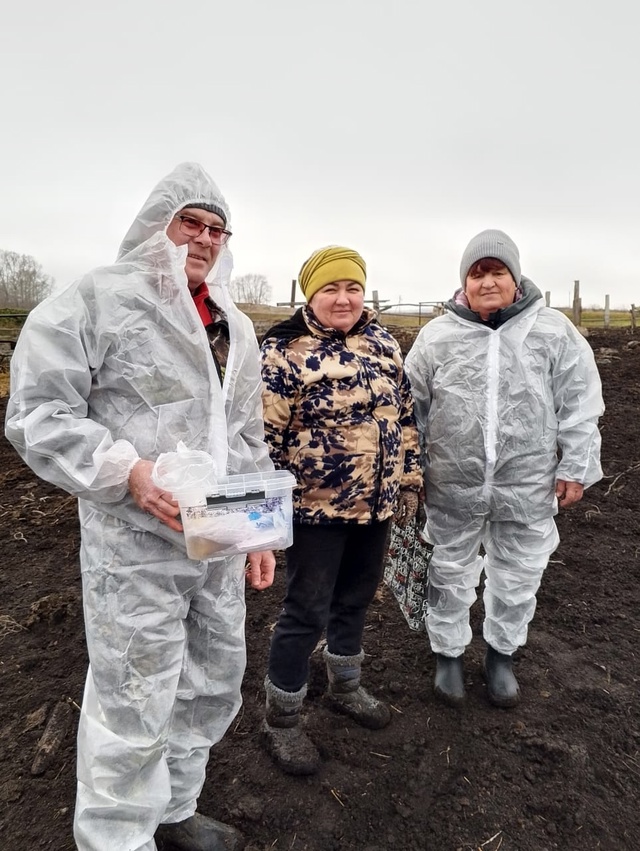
[561, 771]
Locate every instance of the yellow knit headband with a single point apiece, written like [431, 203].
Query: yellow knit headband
[328, 265]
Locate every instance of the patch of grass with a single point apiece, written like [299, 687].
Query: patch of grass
[8, 625]
[595, 318]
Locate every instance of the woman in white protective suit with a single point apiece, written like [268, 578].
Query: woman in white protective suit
[109, 373]
[507, 398]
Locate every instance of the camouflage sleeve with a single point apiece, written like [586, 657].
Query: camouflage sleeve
[412, 476]
[277, 399]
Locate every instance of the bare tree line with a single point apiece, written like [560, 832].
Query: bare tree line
[251, 289]
[23, 284]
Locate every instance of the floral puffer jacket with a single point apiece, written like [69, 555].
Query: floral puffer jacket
[339, 415]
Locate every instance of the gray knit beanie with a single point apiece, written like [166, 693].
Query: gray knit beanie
[491, 243]
[210, 208]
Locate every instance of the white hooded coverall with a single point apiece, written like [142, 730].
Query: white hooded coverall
[114, 368]
[493, 407]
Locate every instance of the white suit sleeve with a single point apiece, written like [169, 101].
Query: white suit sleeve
[577, 393]
[253, 432]
[250, 401]
[48, 419]
[419, 371]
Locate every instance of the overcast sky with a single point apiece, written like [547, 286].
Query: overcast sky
[398, 128]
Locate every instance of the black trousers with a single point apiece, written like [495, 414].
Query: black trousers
[332, 574]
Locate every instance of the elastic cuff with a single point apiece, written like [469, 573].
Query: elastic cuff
[285, 698]
[342, 661]
[131, 466]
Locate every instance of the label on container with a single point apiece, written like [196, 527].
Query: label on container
[247, 498]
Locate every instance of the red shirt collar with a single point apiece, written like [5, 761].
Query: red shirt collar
[199, 295]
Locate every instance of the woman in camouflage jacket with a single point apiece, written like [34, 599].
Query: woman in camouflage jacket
[339, 415]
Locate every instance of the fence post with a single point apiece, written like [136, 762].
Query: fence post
[607, 312]
[577, 306]
[633, 318]
[376, 300]
[293, 293]
[547, 298]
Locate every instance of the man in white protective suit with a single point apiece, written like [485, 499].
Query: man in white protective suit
[109, 373]
[507, 398]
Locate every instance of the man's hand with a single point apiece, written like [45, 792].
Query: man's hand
[152, 499]
[261, 569]
[568, 493]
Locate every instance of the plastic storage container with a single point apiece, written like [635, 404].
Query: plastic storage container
[239, 514]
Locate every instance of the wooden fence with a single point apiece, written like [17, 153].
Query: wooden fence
[265, 315]
[10, 327]
[606, 318]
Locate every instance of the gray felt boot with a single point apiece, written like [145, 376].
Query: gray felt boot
[346, 695]
[282, 735]
[502, 685]
[198, 833]
[449, 679]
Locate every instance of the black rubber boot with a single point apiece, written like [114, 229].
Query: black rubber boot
[502, 685]
[282, 735]
[449, 679]
[198, 833]
[347, 696]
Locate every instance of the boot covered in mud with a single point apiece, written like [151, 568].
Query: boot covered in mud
[449, 680]
[198, 833]
[346, 695]
[282, 733]
[502, 685]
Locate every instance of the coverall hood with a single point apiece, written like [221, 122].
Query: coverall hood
[187, 184]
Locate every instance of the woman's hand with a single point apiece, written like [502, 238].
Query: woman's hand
[152, 499]
[406, 508]
[568, 493]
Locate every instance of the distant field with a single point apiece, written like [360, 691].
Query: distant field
[590, 318]
[264, 316]
[595, 318]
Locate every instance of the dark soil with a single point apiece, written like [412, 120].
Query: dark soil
[561, 771]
